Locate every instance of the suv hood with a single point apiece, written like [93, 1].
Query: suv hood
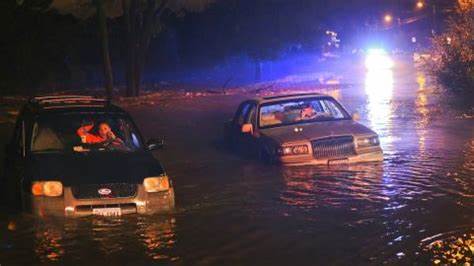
[316, 130]
[93, 168]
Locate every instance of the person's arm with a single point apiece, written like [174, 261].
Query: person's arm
[84, 130]
[86, 137]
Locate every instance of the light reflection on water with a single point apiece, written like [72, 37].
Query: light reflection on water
[57, 239]
[421, 105]
[313, 187]
[158, 238]
[235, 211]
[48, 244]
[379, 86]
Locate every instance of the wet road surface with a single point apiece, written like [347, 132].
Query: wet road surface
[408, 209]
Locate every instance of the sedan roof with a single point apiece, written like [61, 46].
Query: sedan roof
[289, 97]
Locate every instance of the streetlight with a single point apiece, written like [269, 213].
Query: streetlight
[388, 18]
[420, 4]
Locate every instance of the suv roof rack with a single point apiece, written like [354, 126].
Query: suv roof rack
[61, 101]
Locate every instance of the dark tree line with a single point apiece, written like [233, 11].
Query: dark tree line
[123, 36]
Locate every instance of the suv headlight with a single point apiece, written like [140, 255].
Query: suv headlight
[47, 188]
[368, 141]
[156, 184]
[293, 150]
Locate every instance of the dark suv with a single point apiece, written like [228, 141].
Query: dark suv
[80, 155]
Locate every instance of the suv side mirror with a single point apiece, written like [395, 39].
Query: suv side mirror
[155, 144]
[356, 116]
[247, 128]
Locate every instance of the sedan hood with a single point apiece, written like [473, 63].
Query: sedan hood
[316, 130]
[94, 168]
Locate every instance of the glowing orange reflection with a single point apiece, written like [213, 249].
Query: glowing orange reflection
[421, 106]
[49, 244]
[158, 237]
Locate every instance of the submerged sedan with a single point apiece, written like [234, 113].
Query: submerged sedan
[78, 155]
[301, 129]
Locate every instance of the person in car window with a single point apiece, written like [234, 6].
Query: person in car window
[105, 134]
[307, 112]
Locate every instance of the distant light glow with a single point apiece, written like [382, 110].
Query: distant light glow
[388, 18]
[449, 40]
[420, 4]
[378, 59]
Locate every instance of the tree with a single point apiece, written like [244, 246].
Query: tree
[453, 52]
[102, 9]
[143, 20]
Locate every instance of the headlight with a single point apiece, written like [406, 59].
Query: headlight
[368, 142]
[293, 150]
[156, 184]
[47, 188]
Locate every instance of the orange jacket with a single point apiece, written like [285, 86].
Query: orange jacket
[87, 137]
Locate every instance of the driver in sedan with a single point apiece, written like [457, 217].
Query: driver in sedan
[105, 135]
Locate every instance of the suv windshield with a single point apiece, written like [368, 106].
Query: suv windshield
[297, 111]
[82, 132]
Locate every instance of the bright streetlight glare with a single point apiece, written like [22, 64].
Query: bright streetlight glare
[377, 59]
[388, 18]
[420, 4]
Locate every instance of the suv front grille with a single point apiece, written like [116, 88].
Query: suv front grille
[333, 147]
[117, 190]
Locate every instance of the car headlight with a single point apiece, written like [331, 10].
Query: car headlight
[368, 142]
[293, 150]
[47, 188]
[156, 184]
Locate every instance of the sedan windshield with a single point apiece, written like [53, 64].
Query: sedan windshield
[300, 111]
[83, 132]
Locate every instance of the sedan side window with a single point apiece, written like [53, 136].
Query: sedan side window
[243, 114]
[251, 115]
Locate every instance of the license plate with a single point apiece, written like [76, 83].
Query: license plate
[338, 161]
[107, 211]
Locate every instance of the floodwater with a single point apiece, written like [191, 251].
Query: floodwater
[414, 207]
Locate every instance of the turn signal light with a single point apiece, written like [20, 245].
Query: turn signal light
[37, 189]
[156, 184]
[47, 188]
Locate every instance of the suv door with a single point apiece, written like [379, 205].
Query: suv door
[15, 163]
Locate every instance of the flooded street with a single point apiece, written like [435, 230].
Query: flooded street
[235, 211]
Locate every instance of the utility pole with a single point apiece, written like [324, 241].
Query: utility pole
[434, 23]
